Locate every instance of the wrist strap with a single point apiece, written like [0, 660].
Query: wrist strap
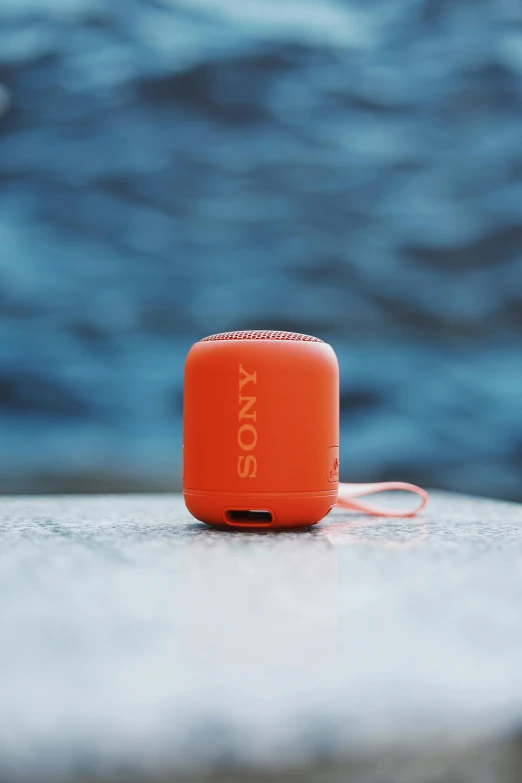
[348, 493]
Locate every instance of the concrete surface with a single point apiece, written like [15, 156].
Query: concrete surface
[137, 644]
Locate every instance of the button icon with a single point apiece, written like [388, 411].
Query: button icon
[332, 465]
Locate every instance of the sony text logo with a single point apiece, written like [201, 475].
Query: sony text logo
[247, 432]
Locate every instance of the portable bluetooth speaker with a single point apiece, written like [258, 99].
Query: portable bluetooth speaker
[261, 429]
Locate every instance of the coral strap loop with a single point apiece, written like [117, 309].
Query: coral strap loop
[349, 492]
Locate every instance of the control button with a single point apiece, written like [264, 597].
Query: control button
[332, 464]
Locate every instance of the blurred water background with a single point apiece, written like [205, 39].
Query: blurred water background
[170, 169]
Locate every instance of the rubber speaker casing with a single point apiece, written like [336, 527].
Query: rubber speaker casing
[261, 429]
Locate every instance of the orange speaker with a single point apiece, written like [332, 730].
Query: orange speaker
[261, 430]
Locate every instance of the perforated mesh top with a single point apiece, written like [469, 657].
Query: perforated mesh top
[257, 334]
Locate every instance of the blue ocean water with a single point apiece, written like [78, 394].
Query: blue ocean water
[173, 168]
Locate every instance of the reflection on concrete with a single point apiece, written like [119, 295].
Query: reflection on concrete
[240, 603]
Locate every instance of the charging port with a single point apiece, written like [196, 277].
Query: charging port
[249, 516]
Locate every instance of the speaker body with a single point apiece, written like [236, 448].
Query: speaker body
[261, 430]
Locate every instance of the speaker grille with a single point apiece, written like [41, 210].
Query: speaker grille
[257, 334]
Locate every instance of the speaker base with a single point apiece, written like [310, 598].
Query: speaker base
[260, 510]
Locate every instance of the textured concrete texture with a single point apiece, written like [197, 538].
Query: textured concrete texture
[138, 644]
